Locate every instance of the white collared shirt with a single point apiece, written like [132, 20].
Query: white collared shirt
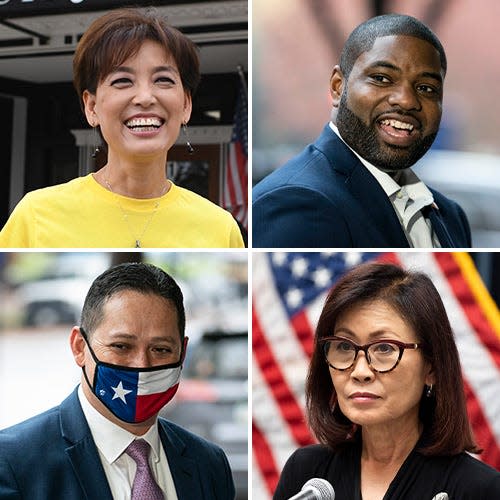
[112, 440]
[408, 198]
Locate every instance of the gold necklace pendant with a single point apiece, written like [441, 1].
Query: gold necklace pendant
[125, 215]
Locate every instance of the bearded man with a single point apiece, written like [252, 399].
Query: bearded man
[354, 187]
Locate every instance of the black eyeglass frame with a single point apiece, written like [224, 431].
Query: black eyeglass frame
[402, 346]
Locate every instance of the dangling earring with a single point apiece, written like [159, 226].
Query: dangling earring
[97, 149]
[428, 392]
[188, 144]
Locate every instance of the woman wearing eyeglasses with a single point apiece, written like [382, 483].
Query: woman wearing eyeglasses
[385, 397]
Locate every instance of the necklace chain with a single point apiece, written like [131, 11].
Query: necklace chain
[125, 215]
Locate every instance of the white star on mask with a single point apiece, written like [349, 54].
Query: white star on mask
[120, 392]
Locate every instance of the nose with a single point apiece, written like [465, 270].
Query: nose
[141, 359]
[361, 370]
[144, 95]
[404, 96]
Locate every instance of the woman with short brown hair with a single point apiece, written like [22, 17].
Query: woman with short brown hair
[135, 76]
[385, 396]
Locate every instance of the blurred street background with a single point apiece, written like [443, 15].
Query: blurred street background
[41, 295]
[295, 47]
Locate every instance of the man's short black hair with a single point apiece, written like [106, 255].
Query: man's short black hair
[363, 37]
[139, 277]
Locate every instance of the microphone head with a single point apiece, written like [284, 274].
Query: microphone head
[321, 487]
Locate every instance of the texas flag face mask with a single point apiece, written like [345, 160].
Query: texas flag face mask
[134, 394]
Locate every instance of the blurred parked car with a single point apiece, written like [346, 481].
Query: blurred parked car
[57, 297]
[473, 181]
[212, 400]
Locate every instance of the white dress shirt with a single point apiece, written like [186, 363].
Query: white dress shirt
[112, 440]
[409, 195]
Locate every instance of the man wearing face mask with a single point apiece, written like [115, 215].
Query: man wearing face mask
[353, 188]
[105, 441]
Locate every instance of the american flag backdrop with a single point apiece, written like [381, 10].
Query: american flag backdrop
[235, 197]
[289, 290]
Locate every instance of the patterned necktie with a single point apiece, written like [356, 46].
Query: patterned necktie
[144, 487]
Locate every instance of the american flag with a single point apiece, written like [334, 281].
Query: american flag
[235, 193]
[289, 290]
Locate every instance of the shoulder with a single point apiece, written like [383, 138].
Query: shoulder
[476, 476]
[194, 213]
[310, 461]
[37, 433]
[315, 453]
[195, 445]
[322, 166]
[211, 460]
[304, 464]
[443, 201]
[307, 171]
[193, 202]
[72, 186]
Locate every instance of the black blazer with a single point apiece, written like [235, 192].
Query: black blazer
[326, 198]
[53, 457]
[462, 477]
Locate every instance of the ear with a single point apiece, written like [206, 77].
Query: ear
[89, 104]
[188, 107]
[77, 344]
[430, 378]
[184, 348]
[337, 82]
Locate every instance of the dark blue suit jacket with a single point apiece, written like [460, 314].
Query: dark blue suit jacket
[326, 198]
[53, 457]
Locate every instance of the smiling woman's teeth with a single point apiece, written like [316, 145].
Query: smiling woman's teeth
[146, 124]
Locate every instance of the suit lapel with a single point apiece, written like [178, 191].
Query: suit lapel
[376, 206]
[82, 451]
[184, 469]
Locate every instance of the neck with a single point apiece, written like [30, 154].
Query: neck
[135, 179]
[389, 444]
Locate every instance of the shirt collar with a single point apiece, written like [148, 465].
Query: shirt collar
[407, 179]
[111, 439]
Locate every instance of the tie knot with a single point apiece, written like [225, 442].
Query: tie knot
[138, 450]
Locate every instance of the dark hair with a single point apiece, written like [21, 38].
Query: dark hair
[363, 37]
[143, 278]
[118, 35]
[413, 295]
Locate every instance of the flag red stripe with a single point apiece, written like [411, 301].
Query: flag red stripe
[263, 455]
[304, 332]
[236, 181]
[230, 181]
[289, 408]
[482, 430]
[471, 308]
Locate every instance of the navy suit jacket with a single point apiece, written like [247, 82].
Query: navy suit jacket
[326, 198]
[53, 457]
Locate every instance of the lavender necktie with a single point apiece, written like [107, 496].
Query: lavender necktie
[144, 487]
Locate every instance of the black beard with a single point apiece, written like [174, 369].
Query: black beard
[364, 140]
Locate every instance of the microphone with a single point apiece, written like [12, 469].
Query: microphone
[315, 489]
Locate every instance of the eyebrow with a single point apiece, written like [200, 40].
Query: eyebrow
[377, 334]
[156, 69]
[387, 64]
[131, 336]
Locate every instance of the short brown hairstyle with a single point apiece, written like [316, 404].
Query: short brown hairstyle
[118, 35]
[413, 295]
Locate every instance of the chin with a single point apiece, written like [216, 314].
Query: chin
[364, 417]
[147, 150]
